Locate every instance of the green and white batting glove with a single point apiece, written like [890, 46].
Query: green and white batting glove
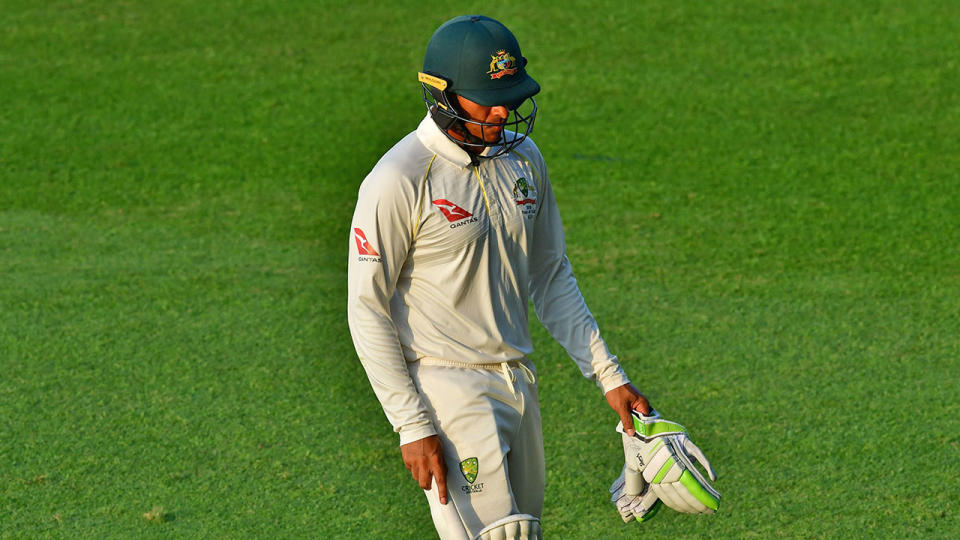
[664, 454]
[634, 499]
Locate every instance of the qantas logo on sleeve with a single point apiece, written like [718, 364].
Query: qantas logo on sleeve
[363, 245]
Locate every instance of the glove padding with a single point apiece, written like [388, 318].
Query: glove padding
[664, 454]
[633, 503]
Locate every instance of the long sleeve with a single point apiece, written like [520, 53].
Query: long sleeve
[558, 302]
[381, 233]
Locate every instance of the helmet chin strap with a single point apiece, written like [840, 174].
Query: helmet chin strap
[447, 114]
[459, 128]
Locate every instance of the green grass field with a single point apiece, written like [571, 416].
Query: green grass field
[762, 204]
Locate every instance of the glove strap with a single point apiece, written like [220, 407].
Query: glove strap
[651, 426]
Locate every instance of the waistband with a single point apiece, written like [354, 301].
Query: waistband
[491, 366]
[505, 368]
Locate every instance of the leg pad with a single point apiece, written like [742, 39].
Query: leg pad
[513, 527]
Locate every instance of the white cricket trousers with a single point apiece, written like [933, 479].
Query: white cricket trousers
[488, 420]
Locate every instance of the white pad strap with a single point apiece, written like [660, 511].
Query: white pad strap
[512, 527]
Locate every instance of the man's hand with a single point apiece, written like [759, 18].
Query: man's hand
[623, 399]
[424, 459]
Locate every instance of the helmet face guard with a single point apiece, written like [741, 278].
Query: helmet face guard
[445, 110]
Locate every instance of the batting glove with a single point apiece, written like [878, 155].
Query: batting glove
[664, 455]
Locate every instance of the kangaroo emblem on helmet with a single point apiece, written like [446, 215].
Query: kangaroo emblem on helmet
[502, 64]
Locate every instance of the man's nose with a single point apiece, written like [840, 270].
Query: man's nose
[499, 113]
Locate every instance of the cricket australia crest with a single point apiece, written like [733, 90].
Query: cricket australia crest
[470, 467]
[525, 194]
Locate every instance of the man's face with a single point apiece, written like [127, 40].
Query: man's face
[481, 113]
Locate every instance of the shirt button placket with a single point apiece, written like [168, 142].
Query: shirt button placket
[493, 197]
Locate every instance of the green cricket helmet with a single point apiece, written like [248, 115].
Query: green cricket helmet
[478, 58]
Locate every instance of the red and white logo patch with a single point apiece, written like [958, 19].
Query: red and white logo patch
[363, 245]
[451, 211]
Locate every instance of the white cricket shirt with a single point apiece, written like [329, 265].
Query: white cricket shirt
[444, 256]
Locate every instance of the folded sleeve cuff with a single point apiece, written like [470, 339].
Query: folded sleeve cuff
[414, 432]
[612, 379]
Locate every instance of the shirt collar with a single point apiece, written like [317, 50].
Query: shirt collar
[430, 135]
